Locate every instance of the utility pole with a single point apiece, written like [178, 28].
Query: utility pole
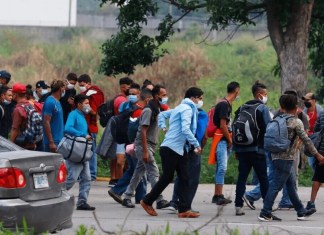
[70, 13]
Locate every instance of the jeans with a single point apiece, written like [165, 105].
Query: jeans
[283, 173]
[248, 160]
[79, 171]
[171, 163]
[93, 160]
[255, 194]
[194, 167]
[311, 162]
[222, 154]
[285, 201]
[150, 168]
[124, 181]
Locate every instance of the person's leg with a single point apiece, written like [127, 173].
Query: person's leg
[93, 160]
[123, 182]
[184, 184]
[112, 168]
[120, 155]
[73, 173]
[194, 167]
[244, 168]
[84, 184]
[175, 197]
[260, 168]
[169, 160]
[222, 154]
[281, 172]
[311, 162]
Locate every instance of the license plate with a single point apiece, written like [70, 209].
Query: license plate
[40, 180]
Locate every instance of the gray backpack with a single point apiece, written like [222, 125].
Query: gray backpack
[276, 137]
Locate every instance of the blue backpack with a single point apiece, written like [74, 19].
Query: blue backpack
[276, 137]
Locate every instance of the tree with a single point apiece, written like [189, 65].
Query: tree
[288, 24]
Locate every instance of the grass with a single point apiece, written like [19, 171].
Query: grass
[244, 60]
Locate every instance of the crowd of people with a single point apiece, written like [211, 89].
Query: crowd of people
[38, 119]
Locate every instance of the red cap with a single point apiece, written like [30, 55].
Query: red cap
[19, 88]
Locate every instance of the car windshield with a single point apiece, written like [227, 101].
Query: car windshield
[6, 145]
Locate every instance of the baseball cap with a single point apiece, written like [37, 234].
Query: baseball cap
[4, 74]
[41, 84]
[19, 88]
[309, 96]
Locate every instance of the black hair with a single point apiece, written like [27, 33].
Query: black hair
[135, 86]
[146, 83]
[288, 102]
[156, 89]
[29, 86]
[79, 99]
[84, 78]
[145, 93]
[3, 90]
[29, 93]
[125, 80]
[72, 77]
[193, 92]
[231, 87]
[257, 86]
[291, 92]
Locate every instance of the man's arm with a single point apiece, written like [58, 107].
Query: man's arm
[48, 133]
[226, 134]
[144, 143]
[162, 117]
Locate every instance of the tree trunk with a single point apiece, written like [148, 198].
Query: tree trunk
[291, 42]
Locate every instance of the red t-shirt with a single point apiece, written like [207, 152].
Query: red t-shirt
[96, 98]
[19, 116]
[312, 121]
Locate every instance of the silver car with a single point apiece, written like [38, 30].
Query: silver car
[32, 187]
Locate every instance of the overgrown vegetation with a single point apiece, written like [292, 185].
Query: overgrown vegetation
[210, 67]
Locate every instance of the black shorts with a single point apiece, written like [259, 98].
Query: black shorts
[319, 173]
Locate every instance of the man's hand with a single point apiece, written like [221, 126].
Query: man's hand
[88, 137]
[198, 150]
[52, 147]
[229, 144]
[146, 156]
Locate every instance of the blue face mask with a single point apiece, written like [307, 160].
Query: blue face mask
[132, 98]
[164, 100]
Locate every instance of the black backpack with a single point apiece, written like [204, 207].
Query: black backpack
[106, 111]
[119, 125]
[245, 127]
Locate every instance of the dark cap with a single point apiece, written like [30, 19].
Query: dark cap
[41, 84]
[4, 74]
[309, 96]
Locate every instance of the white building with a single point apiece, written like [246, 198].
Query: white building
[59, 13]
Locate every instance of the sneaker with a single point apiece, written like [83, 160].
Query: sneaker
[188, 214]
[149, 209]
[286, 207]
[249, 203]
[173, 206]
[128, 203]
[220, 200]
[115, 196]
[310, 205]
[239, 211]
[305, 215]
[86, 207]
[112, 183]
[163, 204]
[267, 218]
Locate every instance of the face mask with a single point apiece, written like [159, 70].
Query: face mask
[83, 88]
[132, 98]
[6, 102]
[308, 104]
[199, 104]
[264, 99]
[237, 97]
[164, 100]
[86, 109]
[44, 91]
[70, 86]
[63, 94]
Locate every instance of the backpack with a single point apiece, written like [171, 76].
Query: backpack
[245, 126]
[106, 111]
[317, 140]
[119, 125]
[276, 137]
[34, 128]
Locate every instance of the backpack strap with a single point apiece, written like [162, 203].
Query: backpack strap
[2, 111]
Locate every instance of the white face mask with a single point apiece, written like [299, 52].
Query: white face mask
[83, 88]
[199, 104]
[6, 101]
[237, 97]
[70, 86]
[44, 91]
[264, 99]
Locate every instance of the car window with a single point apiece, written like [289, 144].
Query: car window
[6, 145]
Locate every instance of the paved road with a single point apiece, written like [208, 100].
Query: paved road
[114, 217]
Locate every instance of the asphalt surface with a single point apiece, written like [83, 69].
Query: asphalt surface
[113, 217]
